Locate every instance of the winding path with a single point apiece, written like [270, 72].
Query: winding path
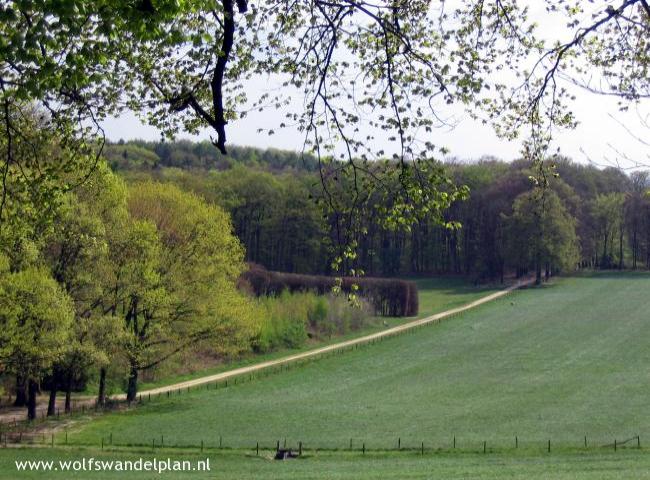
[330, 348]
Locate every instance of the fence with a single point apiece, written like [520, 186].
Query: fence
[358, 446]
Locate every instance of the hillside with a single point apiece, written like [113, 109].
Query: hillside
[560, 363]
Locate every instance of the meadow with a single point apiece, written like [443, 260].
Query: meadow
[436, 294]
[561, 362]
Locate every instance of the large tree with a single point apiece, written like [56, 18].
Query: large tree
[542, 234]
[77, 253]
[35, 320]
[173, 283]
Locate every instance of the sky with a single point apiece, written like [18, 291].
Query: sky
[603, 137]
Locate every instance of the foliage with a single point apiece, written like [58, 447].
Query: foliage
[388, 297]
[186, 65]
[139, 154]
[35, 318]
[174, 279]
[39, 168]
[284, 231]
[78, 253]
[290, 319]
[542, 234]
[608, 215]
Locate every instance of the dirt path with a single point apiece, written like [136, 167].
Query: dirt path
[11, 414]
[330, 348]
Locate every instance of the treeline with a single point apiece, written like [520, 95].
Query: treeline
[591, 218]
[140, 154]
[118, 282]
[104, 281]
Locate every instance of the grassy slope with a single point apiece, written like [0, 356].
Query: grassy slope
[435, 295]
[563, 362]
[559, 466]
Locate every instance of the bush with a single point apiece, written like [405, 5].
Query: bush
[388, 297]
[289, 319]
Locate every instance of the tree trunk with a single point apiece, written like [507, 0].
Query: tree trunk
[101, 396]
[620, 250]
[547, 272]
[32, 388]
[604, 260]
[132, 389]
[21, 392]
[51, 404]
[538, 273]
[68, 392]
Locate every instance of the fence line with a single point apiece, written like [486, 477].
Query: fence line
[362, 446]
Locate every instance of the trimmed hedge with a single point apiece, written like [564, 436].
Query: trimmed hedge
[388, 297]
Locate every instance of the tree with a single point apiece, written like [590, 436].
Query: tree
[186, 65]
[542, 234]
[77, 253]
[174, 279]
[608, 213]
[635, 206]
[35, 319]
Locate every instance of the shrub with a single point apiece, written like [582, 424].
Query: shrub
[289, 319]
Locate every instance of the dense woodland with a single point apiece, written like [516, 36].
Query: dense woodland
[599, 218]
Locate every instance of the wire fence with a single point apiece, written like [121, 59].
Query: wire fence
[22, 431]
[353, 445]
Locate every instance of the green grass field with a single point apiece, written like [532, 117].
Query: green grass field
[435, 295]
[559, 363]
[404, 465]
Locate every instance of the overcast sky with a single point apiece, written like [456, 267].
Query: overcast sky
[597, 138]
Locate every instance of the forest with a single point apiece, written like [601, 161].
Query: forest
[594, 217]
